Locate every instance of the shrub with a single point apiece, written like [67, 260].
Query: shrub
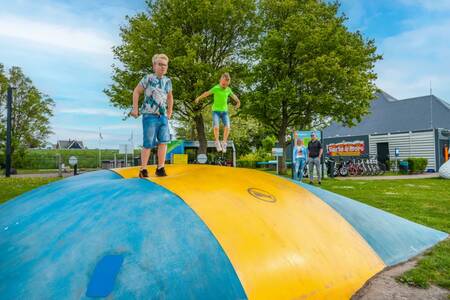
[249, 160]
[417, 165]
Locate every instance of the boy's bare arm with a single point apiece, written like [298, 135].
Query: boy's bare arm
[138, 90]
[236, 99]
[202, 96]
[169, 104]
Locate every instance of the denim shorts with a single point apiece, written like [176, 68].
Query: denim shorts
[155, 129]
[220, 115]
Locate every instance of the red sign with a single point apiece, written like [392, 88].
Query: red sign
[354, 148]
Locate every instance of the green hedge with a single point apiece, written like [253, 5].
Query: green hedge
[246, 164]
[417, 165]
[48, 159]
[249, 160]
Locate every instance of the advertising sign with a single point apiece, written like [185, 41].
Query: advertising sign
[353, 148]
[305, 136]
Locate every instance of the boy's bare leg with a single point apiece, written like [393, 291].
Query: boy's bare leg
[145, 155]
[162, 150]
[216, 134]
[226, 132]
[216, 139]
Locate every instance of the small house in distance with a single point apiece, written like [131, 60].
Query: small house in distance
[69, 144]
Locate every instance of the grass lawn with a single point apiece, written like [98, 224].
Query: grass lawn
[12, 187]
[425, 201]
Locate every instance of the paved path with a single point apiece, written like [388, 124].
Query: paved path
[395, 177]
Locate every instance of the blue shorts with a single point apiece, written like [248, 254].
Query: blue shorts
[220, 115]
[155, 129]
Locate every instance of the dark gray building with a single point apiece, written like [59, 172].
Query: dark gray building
[417, 127]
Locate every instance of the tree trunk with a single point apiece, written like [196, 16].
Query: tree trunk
[200, 133]
[282, 137]
[282, 143]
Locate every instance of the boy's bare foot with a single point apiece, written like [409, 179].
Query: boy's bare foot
[218, 146]
[143, 173]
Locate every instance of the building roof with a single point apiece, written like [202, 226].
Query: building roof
[388, 114]
[70, 144]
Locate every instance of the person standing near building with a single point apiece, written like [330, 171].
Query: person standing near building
[314, 154]
[299, 157]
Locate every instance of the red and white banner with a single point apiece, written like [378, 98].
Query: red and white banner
[354, 148]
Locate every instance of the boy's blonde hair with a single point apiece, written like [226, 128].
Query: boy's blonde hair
[159, 56]
[226, 76]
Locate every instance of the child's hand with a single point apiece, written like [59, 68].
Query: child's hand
[134, 113]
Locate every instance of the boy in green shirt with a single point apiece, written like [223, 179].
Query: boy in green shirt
[221, 93]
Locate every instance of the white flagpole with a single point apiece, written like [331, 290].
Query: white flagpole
[132, 148]
[431, 106]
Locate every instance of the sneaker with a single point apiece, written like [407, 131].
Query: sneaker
[143, 173]
[160, 172]
[218, 146]
[320, 182]
[224, 147]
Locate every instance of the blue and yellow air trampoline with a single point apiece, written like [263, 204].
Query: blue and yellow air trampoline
[203, 232]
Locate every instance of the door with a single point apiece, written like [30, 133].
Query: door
[382, 152]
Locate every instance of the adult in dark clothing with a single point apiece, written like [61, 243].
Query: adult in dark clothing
[314, 154]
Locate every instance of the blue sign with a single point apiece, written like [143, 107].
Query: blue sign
[305, 136]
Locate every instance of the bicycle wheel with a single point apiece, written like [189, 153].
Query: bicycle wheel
[343, 171]
[352, 170]
[382, 168]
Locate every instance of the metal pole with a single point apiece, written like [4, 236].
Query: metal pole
[132, 148]
[8, 132]
[293, 144]
[234, 155]
[322, 159]
[59, 165]
[431, 107]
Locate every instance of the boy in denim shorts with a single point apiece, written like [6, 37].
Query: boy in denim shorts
[156, 110]
[221, 93]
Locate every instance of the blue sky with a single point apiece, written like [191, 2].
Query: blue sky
[65, 48]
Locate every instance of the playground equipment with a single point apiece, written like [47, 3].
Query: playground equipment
[203, 232]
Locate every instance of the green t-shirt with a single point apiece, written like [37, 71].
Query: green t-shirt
[220, 97]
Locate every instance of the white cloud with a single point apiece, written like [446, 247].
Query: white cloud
[90, 111]
[55, 35]
[431, 5]
[414, 58]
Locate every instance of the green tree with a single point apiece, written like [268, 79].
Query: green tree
[202, 39]
[309, 68]
[31, 111]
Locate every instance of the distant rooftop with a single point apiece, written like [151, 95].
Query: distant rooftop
[388, 114]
